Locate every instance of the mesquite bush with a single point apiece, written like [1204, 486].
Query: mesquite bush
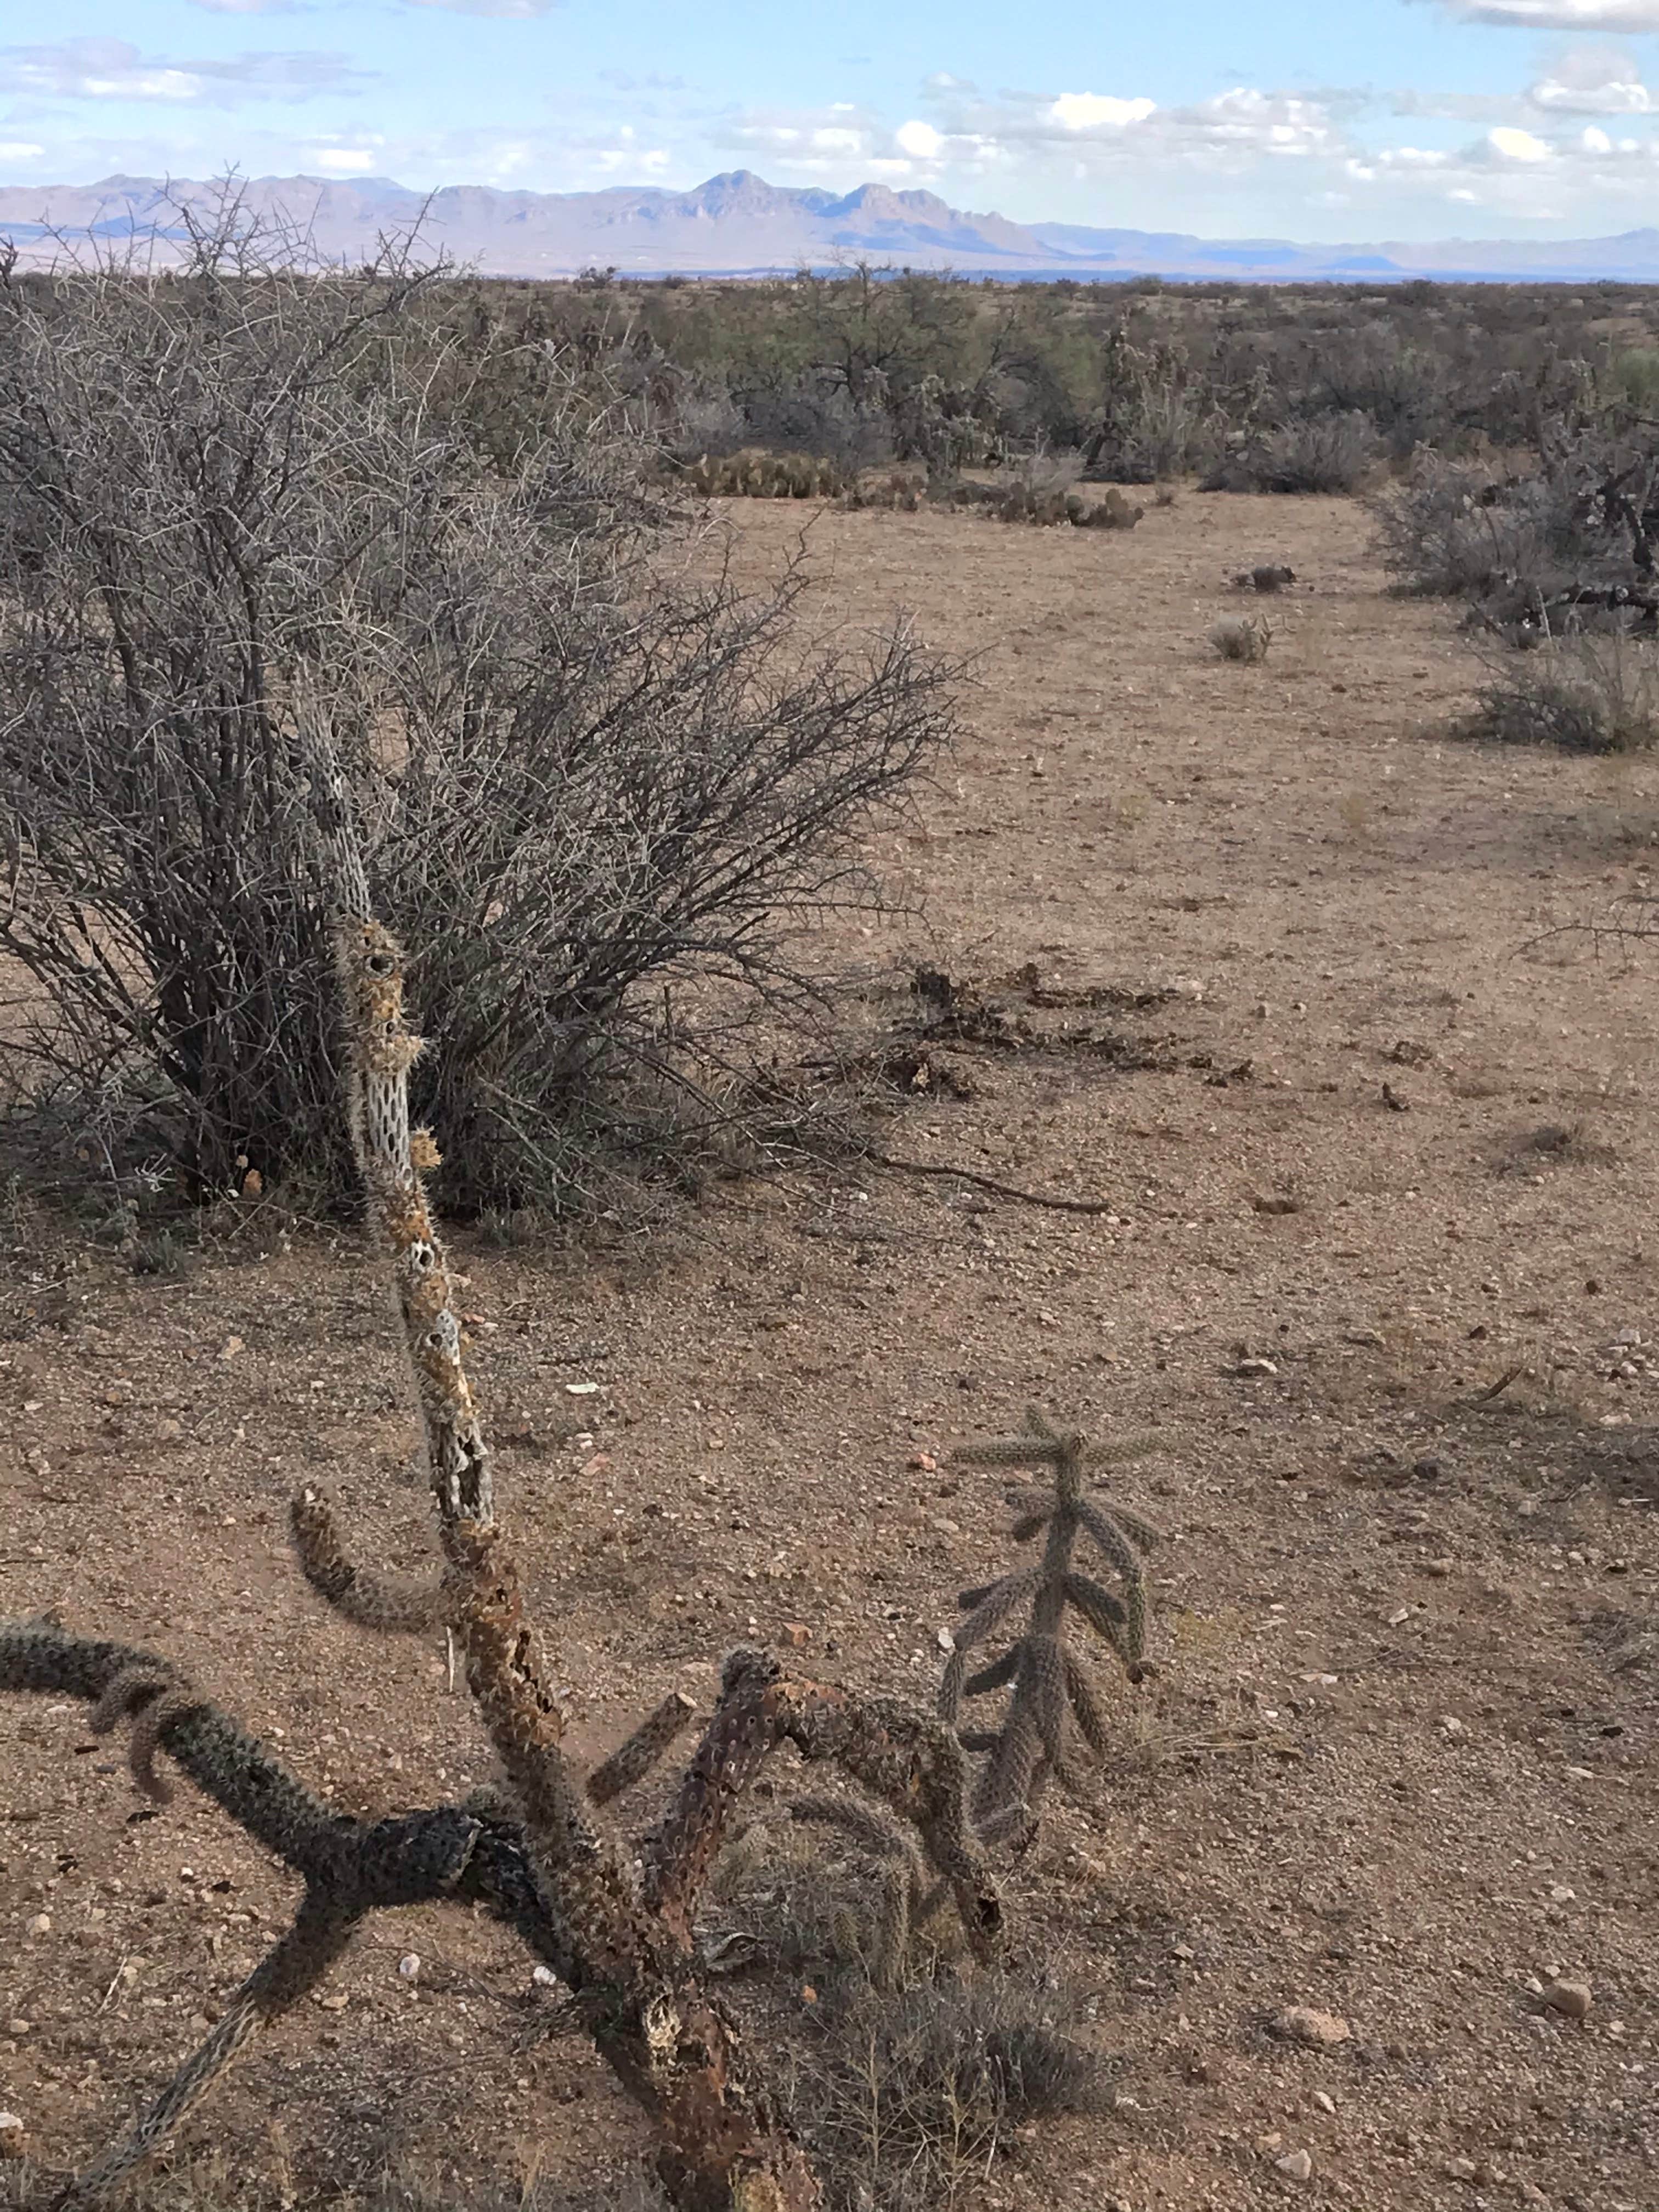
[602, 788]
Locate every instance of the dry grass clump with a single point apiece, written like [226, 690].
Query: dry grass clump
[909, 2098]
[1582, 694]
[1242, 637]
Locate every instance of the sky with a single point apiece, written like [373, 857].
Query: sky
[1371, 119]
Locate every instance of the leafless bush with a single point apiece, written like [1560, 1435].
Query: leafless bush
[1456, 528]
[1586, 694]
[601, 800]
[1321, 453]
[1242, 637]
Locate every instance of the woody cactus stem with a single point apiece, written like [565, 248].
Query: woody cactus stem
[723, 2144]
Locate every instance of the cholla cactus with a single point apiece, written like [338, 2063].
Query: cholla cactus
[1056, 1700]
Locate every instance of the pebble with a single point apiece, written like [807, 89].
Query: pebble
[544, 1978]
[1305, 2024]
[410, 1965]
[1255, 1367]
[1571, 1998]
[41, 1924]
[1296, 2164]
[1325, 2104]
[13, 2142]
[1461, 2169]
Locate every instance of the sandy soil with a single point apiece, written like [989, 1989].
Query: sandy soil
[1398, 1764]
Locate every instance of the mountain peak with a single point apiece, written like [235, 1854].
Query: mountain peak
[738, 224]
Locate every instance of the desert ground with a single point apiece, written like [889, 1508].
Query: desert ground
[1305, 988]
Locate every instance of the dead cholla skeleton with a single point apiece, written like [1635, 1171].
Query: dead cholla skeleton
[612, 1915]
[1055, 1698]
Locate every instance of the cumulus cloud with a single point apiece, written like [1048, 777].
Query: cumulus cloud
[1088, 110]
[1511, 145]
[110, 69]
[1519, 175]
[1618, 15]
[253, 6]
[1593, 80]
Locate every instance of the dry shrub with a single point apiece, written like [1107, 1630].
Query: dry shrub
[1242, 637]
[1583, 694]
[605, 803]
[908, 2098]
[1455, 529]
[1321, 453]
[903, 2093]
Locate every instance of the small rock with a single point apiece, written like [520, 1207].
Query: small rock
[41, 1924]
[1305, 2024]
[1297, 2165]
[1571, 1998]
[1255, 1367]
[13, 2141]
[797, 1634]
[923, 1460]
[544, 1978]
[230, 1347]
[1439, 1568]
[944, 1524]
[1461, 2169]
[409, 1967]
[580, 1389]
[1326, 2104]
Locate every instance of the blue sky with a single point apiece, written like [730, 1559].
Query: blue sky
[1377, 118]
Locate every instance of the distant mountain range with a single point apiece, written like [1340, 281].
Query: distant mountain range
[738, 225]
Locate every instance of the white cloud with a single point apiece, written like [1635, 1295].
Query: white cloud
[1622, 15]
[110, 69]
[343, 161]
[1088, 110]
[919, 141]
[1593, 79]
[252, 6]
[1589, 180]
[1518, 145]
[19, 150]
[507, 8]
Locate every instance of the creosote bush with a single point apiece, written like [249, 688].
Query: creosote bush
[1585, 694]
[602, 800]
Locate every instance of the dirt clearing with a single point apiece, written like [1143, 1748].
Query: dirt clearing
[1274, 969]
